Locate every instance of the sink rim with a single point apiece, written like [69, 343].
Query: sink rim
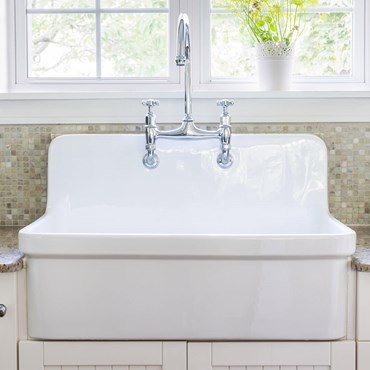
[187, 246]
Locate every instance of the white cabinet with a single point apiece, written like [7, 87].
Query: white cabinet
[272, 356]
[35, 355]
[363, 321]
[8, 323]
[363, 306]
[363, 355]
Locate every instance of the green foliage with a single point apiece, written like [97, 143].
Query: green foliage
[132, 44]
[60, 4]
[134, 3]
[136, 44]
[81, 4]
[280, 21]
[229, 54]
[324, 48]
[63, 45]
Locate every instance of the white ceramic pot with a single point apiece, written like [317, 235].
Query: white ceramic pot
[275, 66]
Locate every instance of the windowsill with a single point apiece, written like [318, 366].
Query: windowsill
[125, 107]
[200, 94]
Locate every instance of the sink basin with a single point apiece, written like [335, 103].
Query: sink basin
[188, 250]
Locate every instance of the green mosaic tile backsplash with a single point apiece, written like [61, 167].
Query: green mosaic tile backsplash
[23, 165]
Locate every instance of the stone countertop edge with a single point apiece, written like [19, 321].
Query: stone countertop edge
[11, 259]
[361, 259]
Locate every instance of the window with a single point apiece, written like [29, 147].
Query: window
[98, 39]
[81, 41]
[66, 44]
[330, 50]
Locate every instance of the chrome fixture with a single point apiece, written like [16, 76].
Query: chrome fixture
[2, 310]
[188, 129]
[183, 60]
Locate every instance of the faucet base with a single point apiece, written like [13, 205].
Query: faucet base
[225, 161]
[151, 161]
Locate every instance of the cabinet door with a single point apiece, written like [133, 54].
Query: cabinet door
[102, 355]
[272, 356]
[363, 306]
[363, 356]
[8, 323]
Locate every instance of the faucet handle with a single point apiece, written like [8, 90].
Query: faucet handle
[150, 103]
[225, 104]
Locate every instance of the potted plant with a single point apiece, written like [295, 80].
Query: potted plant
[274, 25]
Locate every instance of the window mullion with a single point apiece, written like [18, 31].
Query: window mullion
[98, 38]
[205, 41]
[358, 58]
[199, 13]
[358, 41]
[174, 11]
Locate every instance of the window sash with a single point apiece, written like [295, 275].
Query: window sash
[199, 12]
[22, 44]
[359, 14]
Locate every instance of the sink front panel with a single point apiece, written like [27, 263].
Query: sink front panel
[178, 298]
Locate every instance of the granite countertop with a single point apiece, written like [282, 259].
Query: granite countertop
[11, 259]
[361, 259]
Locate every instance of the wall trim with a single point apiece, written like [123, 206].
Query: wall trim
[117, 108]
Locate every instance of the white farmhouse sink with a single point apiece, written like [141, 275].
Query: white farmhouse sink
[188, 250]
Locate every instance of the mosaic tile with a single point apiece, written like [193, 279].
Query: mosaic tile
[9, 237]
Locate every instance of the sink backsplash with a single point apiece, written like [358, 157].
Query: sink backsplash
[23, 166]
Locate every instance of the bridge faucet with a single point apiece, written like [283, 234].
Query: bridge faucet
[187, 129]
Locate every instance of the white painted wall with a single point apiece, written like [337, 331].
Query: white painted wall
[3, 46]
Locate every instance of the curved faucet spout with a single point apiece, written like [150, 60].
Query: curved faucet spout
[183, 40]
[183, 60]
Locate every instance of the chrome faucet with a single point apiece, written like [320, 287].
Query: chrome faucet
[187, 129]
[183, 60]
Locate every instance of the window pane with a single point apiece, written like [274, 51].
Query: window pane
[63, 45]
[219, 4]
[60, 4]
[325, 48]
[231, 53]
[332, 3]
[340, 3]
[134, 3]
[134, 45]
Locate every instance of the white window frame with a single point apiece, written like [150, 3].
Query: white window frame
[23, 82]
[202, 81]
[355, 82]
[24, 103]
